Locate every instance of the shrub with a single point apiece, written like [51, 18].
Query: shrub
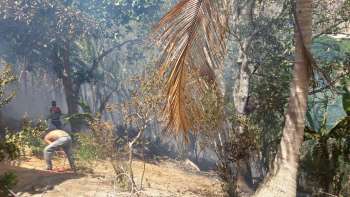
[86, 151]
[7, 181]
[8, 150]
[29, 138]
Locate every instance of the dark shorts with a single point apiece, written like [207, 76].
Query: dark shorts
[57, 124]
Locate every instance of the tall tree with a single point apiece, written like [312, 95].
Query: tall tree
[283, 180]
[48, 34]
[179, 38]
[249, 26]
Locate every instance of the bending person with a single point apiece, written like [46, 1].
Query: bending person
[56, 140]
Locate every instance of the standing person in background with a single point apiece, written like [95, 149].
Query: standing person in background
[55, 115]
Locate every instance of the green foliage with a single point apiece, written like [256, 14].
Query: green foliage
[6, 78]
[99, 143]
[325, 153]
[91, 36]
[45, 13]
[8, 150]
[30, 138]
[342, 182]
[121, 11]
[238, 147]
[87, 151]
[328, 50]
[325, 159]
[37, 28]
[82, 118]
[346, 99]
[7, 181]
[332, 56]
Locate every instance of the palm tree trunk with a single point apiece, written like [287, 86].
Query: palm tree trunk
[282, 182]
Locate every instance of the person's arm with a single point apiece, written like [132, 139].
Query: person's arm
[49, 116]
[59, 111]
[47, 139]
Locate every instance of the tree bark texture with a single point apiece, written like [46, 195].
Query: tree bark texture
[282, 181]
[70, 89]
[240, 95]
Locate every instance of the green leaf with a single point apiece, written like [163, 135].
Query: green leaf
[346, 100]
[85, 107]
[341, 128]
[310, 119]
[311, 134]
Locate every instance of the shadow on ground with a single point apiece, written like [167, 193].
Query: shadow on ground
[35, 181]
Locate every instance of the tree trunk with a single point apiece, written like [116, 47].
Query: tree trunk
[240, 95]
[2, 127]
[245, 12]
[282, 182]
[244, 178]
[70, 89]
[241, 89]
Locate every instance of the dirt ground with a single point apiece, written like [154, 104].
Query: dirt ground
[163, 179]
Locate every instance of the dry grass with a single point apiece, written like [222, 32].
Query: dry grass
[162, 179]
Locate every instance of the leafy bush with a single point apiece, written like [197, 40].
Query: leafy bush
[8, 150]
[6, 78]
[7, 181]
[237, 146]
[98, 143]
[325, 154]
[87, 150]
[101, 143]
[30, 138]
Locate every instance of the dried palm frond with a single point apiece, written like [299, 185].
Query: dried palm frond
[192, 37]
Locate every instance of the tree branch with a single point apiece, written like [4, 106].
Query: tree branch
[98, 59]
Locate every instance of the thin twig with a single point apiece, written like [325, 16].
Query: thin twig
[327, 194]
[144, 161]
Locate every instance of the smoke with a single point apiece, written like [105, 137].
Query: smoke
[33, 98]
